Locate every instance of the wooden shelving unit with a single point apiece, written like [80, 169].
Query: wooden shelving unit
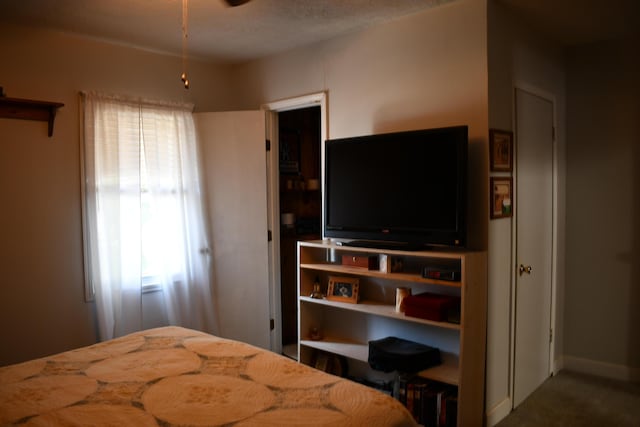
[27, 109]
[346, 328]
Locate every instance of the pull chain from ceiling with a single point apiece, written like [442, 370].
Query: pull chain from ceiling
[185, 37]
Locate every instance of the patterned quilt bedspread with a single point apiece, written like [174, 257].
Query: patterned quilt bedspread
[179, 377]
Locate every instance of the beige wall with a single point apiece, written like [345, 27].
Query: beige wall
[42, 308]
[430, 69]
[596, 93]
[425, 70]
[518, 57]
[602, 318]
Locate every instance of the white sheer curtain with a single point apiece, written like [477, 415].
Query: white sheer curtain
[144, 217]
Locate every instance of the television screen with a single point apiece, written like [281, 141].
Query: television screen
[403, 188]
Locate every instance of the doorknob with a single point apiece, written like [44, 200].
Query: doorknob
[524, 269]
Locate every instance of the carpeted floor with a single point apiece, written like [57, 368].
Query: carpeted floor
[576, 400]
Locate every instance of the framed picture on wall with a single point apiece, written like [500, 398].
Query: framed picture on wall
[501, 197]
[289, 152]
[501, 150]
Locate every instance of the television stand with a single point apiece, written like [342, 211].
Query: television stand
[377, 244]
[346, 327]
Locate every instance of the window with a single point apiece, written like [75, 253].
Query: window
[144, 221]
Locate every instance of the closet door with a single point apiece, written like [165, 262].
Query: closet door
[234, 159]
[535, 253]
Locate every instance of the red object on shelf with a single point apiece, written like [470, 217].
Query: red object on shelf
[430, 306]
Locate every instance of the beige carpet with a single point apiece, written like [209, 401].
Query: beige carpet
[571, 399]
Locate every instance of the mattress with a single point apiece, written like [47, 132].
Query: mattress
[174, 376]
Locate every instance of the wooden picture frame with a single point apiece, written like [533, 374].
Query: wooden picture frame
[501, 150]
[501, 201]
[343, 289]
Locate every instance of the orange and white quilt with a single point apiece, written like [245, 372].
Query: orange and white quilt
[180, 377]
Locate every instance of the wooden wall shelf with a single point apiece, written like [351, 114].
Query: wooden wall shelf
[27, 109]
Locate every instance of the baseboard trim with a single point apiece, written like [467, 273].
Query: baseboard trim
[558, 365]
[601, 369]
[498, 412]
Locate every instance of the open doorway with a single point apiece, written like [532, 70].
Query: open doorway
[276, 183]
[300, 205]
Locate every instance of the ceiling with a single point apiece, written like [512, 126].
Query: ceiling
[216, 31]
[265, 27]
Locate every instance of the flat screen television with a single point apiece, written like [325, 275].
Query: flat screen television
[405, 190]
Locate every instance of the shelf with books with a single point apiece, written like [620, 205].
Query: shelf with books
[430, 402]
[344, 326]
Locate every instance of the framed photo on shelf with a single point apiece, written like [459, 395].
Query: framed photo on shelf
[501, 150]
[501, 197]
[343, 289]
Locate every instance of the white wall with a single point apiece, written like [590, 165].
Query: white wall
[596, 92]
[42, 308]
[424, 70]
[518, 56]
[602, 318]
[421, 71]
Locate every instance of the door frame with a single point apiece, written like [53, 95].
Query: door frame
[271, 110]
[550, 97]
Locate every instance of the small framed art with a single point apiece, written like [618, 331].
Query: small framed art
[501, 150]
[343, 289]
[289, 152]
[501, 197]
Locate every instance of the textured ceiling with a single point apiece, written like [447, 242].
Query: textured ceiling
[264, 27]
[216, 32]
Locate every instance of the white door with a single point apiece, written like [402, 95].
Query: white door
[234, 158]
[534, 248]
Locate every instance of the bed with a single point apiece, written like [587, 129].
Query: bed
[173, 376]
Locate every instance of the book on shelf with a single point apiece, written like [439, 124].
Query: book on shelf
[432, 404]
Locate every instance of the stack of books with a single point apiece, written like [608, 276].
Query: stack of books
[432, 404]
